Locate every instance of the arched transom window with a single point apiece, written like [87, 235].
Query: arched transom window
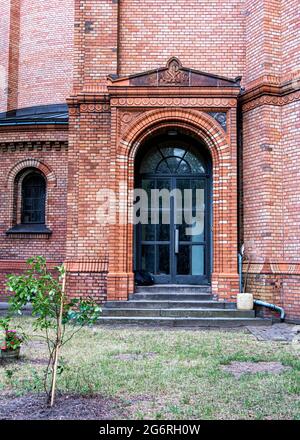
[175, 159]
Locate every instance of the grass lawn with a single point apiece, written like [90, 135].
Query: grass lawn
[165, 373]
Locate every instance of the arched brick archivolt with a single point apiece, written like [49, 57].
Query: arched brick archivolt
[224, 231]
[199, 122]
[13, 187]
[31, 163]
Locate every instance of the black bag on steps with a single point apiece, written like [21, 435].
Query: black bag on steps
[143, 278]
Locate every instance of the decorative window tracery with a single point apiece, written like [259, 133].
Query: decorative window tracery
[172, 160]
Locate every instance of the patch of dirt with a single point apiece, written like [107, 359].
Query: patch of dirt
[67, 407]
[36, 344]
[33, 361]
[145, 406]
[134, 356]
[23, 360]
[240, 368]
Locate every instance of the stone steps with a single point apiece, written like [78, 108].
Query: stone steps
[173, 288]
[171, 297]
[166, 304]
[175, 312]
[176, 306]
[183, 322]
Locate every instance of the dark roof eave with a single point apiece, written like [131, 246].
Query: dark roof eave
[20, 123]
[51, 114]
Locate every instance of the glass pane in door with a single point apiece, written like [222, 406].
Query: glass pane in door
[148, 258]
[197, 260]
[183, 260]
[148, 230]
[163, 259]
[163, 232]
[191, 256]
[155, 236]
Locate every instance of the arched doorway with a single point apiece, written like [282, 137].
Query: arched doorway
[172, 239]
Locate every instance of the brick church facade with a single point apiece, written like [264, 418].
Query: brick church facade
[89, 89]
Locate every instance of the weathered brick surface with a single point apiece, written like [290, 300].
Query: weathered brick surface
[49, 154]
[271, 202]
[88, 173]
[4, 51]
[290, 61]
[290, 118]
[262, 183]
[46, 43]
[36, 50]
[207, 35]
[258, 39]
[96, 28]
[262, 39]
[87, 285]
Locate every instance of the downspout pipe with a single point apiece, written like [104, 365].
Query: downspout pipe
[258, 302]
[240, 260]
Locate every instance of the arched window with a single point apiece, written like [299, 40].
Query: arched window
[33, 199]
[173, 159]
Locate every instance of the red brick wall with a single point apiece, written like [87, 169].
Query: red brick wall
[270, 156]
[50, 149]
[291, 203]
[262, 39]
[207, 35]
[88, 173]
[96, 28]
[4, 50]
[14, 50]
[291, 295]
[262, 183]
[280, 289]
[236, 37]
[290, 28]
[88, 285]
[253, 38]
[271, 181]
[53, 154]
[16, 249]
[291, 181]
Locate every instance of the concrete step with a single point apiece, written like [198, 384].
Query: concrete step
[169, 304]
[174, 288]
[171, 297]
[176, 306]
[183, 322]
[177, 313]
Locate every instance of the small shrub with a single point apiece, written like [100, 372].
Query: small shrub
[52, 310]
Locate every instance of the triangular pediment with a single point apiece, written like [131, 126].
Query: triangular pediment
[174, 74]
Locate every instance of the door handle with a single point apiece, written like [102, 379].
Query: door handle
[176, 241]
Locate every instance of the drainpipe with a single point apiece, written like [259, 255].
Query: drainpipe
[258, 302]
[240, 260]
[240, 265]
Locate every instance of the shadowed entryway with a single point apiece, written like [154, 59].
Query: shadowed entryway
[172, 236]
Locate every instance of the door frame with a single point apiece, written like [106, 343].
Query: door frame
[174, 278]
